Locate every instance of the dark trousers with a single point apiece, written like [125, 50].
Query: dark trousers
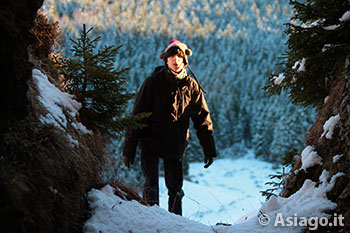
[173, 181]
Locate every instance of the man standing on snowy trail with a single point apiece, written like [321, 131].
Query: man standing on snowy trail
[172, 97]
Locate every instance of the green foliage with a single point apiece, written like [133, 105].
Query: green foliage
[276, 185]
[319, 37]
[92, 77]
[289, 156]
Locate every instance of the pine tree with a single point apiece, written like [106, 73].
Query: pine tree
[318, 45]
[317, 66]
[92, 77]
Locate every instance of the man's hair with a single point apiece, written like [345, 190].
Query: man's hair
[171, 52]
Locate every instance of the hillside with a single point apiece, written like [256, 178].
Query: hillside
[316, 73]
[48, 159]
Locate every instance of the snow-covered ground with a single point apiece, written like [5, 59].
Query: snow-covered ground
[225, 191]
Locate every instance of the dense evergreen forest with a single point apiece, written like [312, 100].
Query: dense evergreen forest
[235, 44]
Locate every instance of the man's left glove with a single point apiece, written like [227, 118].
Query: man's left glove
[127, 161]
[208, 161]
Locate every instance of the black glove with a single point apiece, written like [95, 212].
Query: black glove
[208, 161]
[127, 161]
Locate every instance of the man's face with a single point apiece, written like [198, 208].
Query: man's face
[175, 63]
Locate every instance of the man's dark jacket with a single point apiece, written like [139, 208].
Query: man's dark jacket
[172, 103]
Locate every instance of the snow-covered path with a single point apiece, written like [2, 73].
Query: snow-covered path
[225, 191]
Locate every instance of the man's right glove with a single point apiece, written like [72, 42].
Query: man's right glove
[208, 161]
[127, 161]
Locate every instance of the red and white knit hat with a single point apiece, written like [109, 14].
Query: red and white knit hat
[176, 43]
[188, 52]
[182, 46]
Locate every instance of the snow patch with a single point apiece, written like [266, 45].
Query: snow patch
[300, 64]
[295, 65]
[317, 23]
[56, 101]
[114, 215]
[345, 17]
[336, 158]
[326, 99]
[326, 47]
[308, 201]
[278, 80]
[331, 27]
[225, 192]
[329, 126]
[309, 158]
[72, 141]
[81, 127]
[55, 191]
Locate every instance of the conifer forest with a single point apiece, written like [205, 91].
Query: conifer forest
[236, 46]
